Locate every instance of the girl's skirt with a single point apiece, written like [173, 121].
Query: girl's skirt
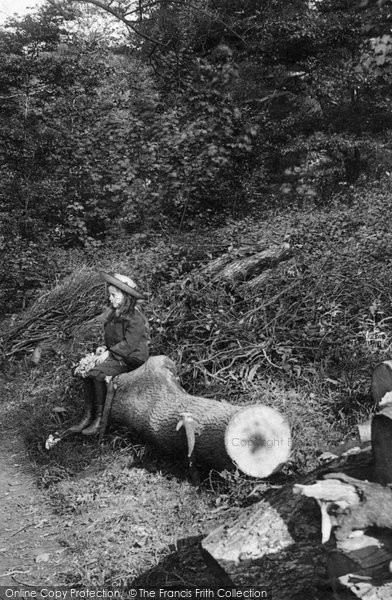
[112, 367]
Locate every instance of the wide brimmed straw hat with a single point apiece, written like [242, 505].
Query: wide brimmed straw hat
[123, 283]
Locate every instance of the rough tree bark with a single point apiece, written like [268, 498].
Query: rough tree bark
[244, 269]
[151, 402]
[278, 541]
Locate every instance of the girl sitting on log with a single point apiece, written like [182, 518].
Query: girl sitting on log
[126, 349]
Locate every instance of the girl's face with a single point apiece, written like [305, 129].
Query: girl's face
[116, 297]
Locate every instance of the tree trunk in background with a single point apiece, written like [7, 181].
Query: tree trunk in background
[226, 268]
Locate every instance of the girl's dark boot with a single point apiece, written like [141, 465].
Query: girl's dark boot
[89, 395]
[100, 396]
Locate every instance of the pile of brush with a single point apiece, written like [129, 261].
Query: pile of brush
[57, 318]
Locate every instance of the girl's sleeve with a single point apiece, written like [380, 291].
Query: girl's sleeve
[133, 342]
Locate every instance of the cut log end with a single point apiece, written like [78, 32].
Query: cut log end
[258, 441]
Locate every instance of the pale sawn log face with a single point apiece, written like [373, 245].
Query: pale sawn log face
[258, 440]
[151, 402]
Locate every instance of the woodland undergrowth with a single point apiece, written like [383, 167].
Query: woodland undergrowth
[303, 338]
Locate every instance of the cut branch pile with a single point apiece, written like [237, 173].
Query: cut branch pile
[275, 315]
[52, 321]
[233, 349]
[246, 315]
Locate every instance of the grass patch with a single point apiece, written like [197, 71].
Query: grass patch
[124, 520]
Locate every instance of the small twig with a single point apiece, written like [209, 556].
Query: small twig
[10, 573]
[19, 530]
[19, 483]
[269, 361]
[23, 582]
[25, 344]
[274, 298]
[117, 14]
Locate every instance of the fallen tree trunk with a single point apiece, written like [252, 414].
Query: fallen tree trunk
[258, 282]
[244, 269]
[280, 542]
[151, 402]
[275, 543]
[251, 266]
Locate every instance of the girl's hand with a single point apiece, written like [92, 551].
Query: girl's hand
[102, 357]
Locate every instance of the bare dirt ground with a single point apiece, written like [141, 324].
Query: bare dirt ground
[30, 551]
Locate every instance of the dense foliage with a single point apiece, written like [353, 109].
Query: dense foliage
[195, 112]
